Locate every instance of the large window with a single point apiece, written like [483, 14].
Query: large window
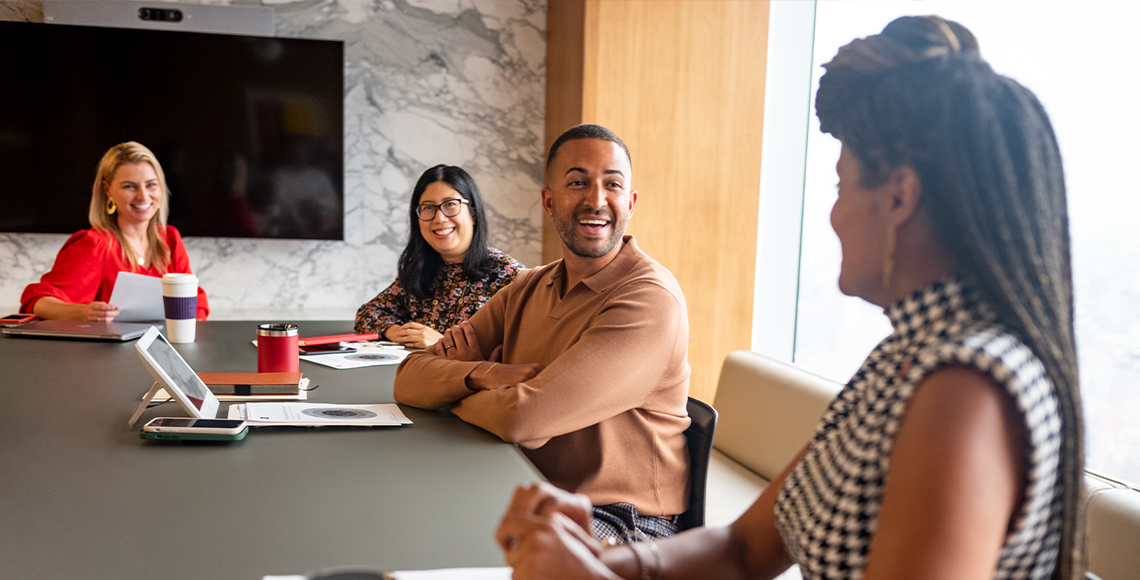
[1075, 56]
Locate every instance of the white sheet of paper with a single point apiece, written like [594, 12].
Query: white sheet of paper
[365, 357]
[453, 574]
[138, 297]
[441, 574]
[318, 415]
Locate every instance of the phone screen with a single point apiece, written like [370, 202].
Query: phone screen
[200, 423]
[16, 317]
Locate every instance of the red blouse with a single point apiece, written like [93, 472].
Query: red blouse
[87, 266]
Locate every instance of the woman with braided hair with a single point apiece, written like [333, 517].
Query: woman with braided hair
[956, 449]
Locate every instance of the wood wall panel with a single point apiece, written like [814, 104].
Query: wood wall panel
[565, 39]
[682, 83]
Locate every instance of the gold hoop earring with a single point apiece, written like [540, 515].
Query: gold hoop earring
[889, 259]
[111, 207]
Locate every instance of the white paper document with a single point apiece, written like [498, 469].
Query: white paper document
[138, 297]
[442, 574]
[318, 415]
[452, 574]
[365, 357]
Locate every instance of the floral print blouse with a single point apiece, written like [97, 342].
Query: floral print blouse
[455, 299]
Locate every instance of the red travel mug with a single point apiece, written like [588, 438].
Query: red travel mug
[277, 348]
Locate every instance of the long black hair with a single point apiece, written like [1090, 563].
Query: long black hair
[920, 95]
[419, 262]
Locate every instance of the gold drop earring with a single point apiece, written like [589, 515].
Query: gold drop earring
[111, 207]
[889, 258]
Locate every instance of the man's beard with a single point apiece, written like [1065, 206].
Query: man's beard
[568, 230]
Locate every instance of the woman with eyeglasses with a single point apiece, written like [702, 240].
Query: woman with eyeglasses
[956, 449]
[446, 272]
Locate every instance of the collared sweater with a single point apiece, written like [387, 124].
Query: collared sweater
[606, 416]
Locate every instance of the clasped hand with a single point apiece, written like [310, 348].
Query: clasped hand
[545, 534]
[461, 343]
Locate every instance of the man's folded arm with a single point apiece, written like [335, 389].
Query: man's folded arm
[431, 382]
[428, 381]
[614, 367]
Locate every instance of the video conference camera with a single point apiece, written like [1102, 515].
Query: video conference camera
[160, 15]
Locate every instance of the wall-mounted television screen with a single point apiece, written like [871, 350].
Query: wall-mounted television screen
[249, 130]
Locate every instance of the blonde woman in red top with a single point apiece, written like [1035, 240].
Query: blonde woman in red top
[129, 206]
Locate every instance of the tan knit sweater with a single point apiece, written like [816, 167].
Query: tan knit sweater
[606, 417]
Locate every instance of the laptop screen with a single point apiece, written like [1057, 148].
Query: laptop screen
[183, 376]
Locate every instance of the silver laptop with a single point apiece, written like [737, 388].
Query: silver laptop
[120, 331]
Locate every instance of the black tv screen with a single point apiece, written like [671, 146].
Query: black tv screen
[249, 130]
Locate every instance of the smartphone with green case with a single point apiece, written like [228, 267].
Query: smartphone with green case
[191, 429]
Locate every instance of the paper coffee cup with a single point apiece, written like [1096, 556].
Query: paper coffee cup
[180, 300]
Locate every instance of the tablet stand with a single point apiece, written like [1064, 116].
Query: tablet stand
[154, 389]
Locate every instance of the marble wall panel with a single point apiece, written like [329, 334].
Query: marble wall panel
[426, 82]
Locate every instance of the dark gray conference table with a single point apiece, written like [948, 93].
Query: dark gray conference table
[81, 496]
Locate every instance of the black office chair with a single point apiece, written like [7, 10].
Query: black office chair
[700, 438]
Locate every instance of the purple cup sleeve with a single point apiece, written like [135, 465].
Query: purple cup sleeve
[180, 308]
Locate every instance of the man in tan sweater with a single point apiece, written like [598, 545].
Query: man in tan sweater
[582, 362]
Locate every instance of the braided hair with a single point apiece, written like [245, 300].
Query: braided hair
[920, 95]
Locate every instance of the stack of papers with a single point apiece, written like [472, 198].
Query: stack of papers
[319, 415]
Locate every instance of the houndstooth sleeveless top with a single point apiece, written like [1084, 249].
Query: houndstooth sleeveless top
[828, 508]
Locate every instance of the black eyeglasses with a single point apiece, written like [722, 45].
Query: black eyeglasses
[450, 208]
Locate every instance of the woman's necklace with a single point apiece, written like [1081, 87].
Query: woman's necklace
[141, 259]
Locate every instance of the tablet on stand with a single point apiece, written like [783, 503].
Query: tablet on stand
[171, 372]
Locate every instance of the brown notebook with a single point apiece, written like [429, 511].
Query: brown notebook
[245, 384]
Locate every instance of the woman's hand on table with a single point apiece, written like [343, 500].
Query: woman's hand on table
[413, 334]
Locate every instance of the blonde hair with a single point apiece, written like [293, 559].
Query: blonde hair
[157, 252]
